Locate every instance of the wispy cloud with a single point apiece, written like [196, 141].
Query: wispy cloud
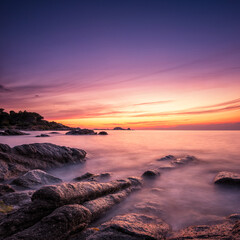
[152, 103]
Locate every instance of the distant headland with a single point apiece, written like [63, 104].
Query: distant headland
[27, 121]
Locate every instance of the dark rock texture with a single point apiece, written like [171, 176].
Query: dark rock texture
[93, 177]
[130, 226]
[183, 160]
[5, 188]
[13, 132]
[20, 159]
[227, 178]
[81, 132]
[35, 178]
[167, 158]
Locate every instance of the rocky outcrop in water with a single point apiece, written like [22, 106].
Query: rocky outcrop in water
[102, 133]
[43, 135]
[20, 159]
[35, 178]
[229, 178]
[130, 226]
[93, 177]
[81, 132]
[57, 211]
[151, 173]
[12, 132]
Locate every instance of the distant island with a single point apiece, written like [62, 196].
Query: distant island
[119, 128]
[27, 121]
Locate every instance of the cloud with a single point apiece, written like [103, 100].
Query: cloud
[151, 103]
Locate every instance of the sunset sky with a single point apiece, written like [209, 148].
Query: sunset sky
[153, 64]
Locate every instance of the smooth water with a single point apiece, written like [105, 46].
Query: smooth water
[183, 196]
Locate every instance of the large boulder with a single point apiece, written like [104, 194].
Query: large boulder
[227, 178]
[35, 178]
[130, 226]
[11, 132]
[81, 132]
[20, 159]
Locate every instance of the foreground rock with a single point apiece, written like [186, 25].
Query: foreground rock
[96, 198]
[11, 132]
[81, 132]
[227, 178]
[20, 159]
[130, 226]
[35, 178]
[224, 231]
[5, 188]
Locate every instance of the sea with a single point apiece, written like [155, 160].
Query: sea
[182, 196]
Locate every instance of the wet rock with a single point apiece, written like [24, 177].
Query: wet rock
[5, 188]
[68, 193]
[149, 207]
[213, 232]
[35, 178]
[54, 133]
[227, 178]
[23, 218]
[130, 226]
[167, 158]
[17, 199]
[58, 225]
[43, 135]
[92, 177]
[11, 132]
[151, 174]
[183, 160]
[81, 132]
[20, 159]
[102, 133]
[234, 217]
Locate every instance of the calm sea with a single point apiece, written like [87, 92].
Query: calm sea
[182, 196]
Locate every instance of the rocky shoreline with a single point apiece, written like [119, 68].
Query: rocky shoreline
[37, 205]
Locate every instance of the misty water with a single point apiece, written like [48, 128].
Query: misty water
[183, 196]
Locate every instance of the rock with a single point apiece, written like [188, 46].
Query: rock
[54, 133]
[151, 174]
[102, 133]
[5, 188]
[166, 158]
[130, 226]
[58, 225]
[35, 178]
[92, 177]
[23, 218]
[227, 178]
[149, 207]
[68, 193]
[17, 199]
[81, 132]
[183, 160]
[213, 232]
[43, 135]
[234, 217]
[20, 159]
[11, 132]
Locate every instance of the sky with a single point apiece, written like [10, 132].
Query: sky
[153, 64]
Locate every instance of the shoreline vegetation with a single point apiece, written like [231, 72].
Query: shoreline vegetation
[37, 205]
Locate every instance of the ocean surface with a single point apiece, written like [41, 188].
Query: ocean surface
[183, 196]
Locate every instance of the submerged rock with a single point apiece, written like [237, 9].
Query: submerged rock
[92, 177]
[167, 158]
[81, 132]
[103, 133]
[130, 226]
[43, 135]
[151, 174]
[54, 133]
[20, 159]
[35, 178]
[5, 188]
[183, 160]
[227, 178]
[11, 132]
